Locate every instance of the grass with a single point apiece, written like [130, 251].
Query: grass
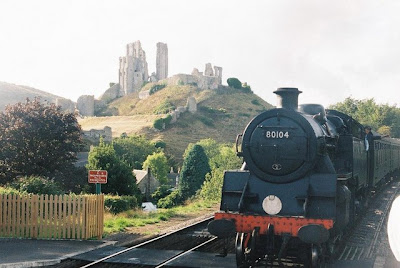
[135, 218]
[222, 115]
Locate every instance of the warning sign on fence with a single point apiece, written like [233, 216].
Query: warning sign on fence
[98, 176]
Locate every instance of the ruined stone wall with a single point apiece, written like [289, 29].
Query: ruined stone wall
[162, 61]
[111, 94]
[85, 105]
[96, 134]
[133, 69]
[209, 70]
[218, 73]
[191, 105]
[66, 105]
[209, 80]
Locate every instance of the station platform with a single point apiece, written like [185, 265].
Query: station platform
[34, 252]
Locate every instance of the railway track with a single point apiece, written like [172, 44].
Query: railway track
[363, 243]
[156, 252]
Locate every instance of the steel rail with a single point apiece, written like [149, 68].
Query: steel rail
[382, 221]
[185, 252]
[145, 243]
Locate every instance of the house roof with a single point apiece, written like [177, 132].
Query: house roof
[140, 175]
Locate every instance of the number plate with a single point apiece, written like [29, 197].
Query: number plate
[276, 134]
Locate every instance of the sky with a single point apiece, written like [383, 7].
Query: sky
[330, 50]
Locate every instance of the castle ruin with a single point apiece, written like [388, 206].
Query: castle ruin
[132, 69]
[133, 73]
[211, 79]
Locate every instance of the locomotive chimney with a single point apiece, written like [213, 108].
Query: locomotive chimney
[288, 98]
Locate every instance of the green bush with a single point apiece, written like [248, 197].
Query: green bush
[234, 83]
[156, 88]
[167, 120]
[160, 144]
[246, 88]
[158, 123]
[9, 190]
[172, 200]
[37, 185]
[162, 123]
[161, 192]
[116, 204]
[255, 102]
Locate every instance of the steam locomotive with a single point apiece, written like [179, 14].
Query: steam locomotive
[307, 174]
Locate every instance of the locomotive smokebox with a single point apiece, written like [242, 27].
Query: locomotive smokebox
[288, 98]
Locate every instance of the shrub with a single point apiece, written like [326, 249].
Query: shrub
[160, 144]
[161, 192]
[234, 83]
[172, 200]
[156, 88]
[255, 102]
[9, 190]
[162, 123]
[246, 88]
[167, 120]
[116, 204]
[158, 123]
[37, 185]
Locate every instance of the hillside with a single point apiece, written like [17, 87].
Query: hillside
[11, 94]
[221, 115]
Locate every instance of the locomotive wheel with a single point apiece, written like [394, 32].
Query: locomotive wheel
[240, 249]
[246, 249]
[316, 257]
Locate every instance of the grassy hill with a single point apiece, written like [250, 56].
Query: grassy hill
[11, 94]
[221, 115]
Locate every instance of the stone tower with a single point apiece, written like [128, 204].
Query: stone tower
[218, 73]
[133, 69]
[162, 61]
[208, 71]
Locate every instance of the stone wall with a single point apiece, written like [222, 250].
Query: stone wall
[66, 105]
[111, 94]
[208, 80]
[85, 105]
[96, 134]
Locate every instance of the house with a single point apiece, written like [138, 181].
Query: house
[146, 182]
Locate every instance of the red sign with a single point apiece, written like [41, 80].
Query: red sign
[98, 176]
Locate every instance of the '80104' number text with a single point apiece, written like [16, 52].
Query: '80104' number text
[276, 134]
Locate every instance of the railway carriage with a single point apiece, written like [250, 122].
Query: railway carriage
[306, 174]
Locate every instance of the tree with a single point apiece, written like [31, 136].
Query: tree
[37, 139]
[158, 164]
[368, 112]
[234, 83]
[225, 159]
[120, 178]
[134, 150]
[194, 169]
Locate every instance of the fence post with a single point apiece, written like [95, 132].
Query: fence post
[34, 206]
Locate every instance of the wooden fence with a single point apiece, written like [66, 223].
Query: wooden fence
[52, 217]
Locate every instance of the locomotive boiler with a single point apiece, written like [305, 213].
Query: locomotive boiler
[306, 173]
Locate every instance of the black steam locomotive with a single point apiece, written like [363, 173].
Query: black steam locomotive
[307, 173]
